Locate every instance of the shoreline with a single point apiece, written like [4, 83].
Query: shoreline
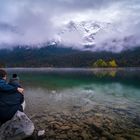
[70, 68]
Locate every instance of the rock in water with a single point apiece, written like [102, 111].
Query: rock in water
[41, 133]
[18, 128]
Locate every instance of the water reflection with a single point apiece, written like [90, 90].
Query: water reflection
[68, 78]
[105, 73]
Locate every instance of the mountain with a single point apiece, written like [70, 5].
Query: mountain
[85, 31]
[88, 30]
[59, 56]
[83, 35]
[94, 36]
[76, 44]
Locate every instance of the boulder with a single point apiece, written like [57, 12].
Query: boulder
[18, 128]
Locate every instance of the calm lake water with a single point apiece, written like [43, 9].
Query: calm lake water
[83, 104]
[63, 89]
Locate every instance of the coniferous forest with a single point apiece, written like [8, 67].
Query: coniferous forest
[54, 56]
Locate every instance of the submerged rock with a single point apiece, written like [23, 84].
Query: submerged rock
[41, 133]
[18, 128]
[137, 120]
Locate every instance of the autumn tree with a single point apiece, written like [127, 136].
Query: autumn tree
[100, 63]
[112, 63]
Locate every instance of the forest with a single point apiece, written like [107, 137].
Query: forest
[59, 56]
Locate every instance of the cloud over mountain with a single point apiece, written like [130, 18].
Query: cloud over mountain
[37, 21]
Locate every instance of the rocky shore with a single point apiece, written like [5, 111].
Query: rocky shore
[86, 124]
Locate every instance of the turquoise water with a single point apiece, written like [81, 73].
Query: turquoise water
[117, 90]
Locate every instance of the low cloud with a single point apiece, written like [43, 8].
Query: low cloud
[37, 21]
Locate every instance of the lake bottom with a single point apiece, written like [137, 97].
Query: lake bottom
[69, 117]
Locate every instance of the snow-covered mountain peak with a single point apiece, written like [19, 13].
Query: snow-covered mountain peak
[84, 32]
[94, 35]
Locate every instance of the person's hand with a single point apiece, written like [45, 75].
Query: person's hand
[20, 90]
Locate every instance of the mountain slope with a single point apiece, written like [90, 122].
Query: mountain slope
[54, 56]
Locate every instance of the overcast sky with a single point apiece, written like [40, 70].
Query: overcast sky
[35, 21]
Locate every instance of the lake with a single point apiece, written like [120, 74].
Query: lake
[99, 103]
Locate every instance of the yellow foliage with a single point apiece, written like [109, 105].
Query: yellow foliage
[112, 63]
[102, 63]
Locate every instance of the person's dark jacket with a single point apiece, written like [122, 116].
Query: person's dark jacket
[10, 101]
[15, 82]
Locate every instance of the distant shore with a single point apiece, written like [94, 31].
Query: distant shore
[72, 68]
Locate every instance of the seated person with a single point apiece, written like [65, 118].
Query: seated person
[11, 98]
[15, 81]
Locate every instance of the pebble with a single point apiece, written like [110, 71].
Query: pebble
[41, 133]
[65, 127]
